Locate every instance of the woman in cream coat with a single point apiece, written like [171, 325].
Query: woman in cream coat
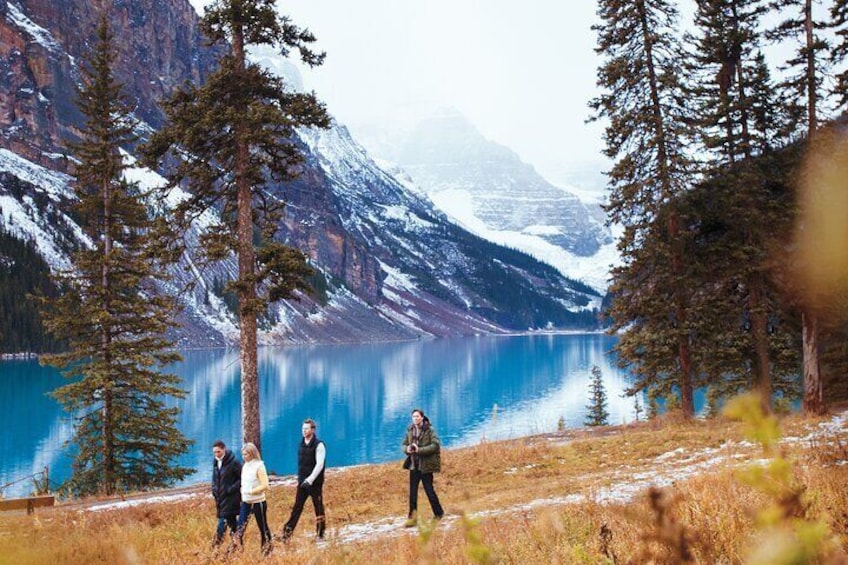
[254, 485]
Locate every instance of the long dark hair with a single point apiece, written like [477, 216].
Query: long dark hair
[424, 418]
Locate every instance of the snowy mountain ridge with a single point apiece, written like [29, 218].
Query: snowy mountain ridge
[393, 266]
[487, 189]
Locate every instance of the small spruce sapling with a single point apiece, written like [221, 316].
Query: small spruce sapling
[598, 414]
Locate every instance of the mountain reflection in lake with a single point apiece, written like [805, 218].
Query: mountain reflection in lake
[360, 395]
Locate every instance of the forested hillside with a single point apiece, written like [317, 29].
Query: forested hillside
[728, 169]
[22, 270]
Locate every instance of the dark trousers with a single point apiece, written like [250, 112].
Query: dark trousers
[415, 477]
[260, 510]
[316, 493]
[230, 521]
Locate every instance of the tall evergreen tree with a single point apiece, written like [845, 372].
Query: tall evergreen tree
[597, 407]
[110, 315]
[723, 245]
[736, 122]
[231, 137]
[642, 99]
[806, 69]
[804, 95]
[839, 51]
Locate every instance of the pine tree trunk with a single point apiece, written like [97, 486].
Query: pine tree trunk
[813, 391]
[684, 351]
[247, 317]
[687, 399]
[759, 310]
[743, 111]
[812, 94]
[759, 335]
[109, 475]
[251, 431]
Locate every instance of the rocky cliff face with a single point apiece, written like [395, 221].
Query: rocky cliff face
[395, 267]
[42, 42]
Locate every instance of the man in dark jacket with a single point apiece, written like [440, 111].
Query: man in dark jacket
[226, 488]
[311, 457]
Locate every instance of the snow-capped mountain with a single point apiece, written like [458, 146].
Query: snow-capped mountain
[394, 266]
[486, 188]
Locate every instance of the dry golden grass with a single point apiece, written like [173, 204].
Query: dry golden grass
[706, 516]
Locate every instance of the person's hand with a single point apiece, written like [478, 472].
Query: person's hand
[305, 485]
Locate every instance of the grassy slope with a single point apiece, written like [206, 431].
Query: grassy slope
[544, 499]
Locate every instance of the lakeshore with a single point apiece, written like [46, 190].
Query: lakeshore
[535, 499]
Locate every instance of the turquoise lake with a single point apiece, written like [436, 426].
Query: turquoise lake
[473, 389]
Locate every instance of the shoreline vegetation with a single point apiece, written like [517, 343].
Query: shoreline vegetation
[665, 490]
[540, 332]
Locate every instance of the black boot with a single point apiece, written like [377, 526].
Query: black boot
[412, 520]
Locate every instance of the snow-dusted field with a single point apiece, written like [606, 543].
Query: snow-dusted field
[623, 485]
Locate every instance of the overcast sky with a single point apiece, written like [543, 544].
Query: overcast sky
[522, 72]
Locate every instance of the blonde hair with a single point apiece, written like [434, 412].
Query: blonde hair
[252, 450]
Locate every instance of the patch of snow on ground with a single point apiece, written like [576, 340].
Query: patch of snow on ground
[836, 424]
[166, 498]
[670, 454]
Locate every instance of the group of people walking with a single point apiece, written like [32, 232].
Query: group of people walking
[240, 488]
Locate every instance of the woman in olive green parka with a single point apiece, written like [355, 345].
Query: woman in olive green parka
[423, 458]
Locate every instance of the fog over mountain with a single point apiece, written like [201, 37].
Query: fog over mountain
[488, 189]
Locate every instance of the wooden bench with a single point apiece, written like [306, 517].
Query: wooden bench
[29, 503]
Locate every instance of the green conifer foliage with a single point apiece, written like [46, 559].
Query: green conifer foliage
[597, 407]
[726, 240]
[230, 138]
[22, 271]
[739, 122]
[110, 315]
[644, 103]
[804, 95]
[839, 51]
[803, 87]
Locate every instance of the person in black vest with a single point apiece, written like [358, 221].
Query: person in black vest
[311, 456]
[226, 486]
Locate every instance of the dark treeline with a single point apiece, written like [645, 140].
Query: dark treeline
[709, 142]
[22, 271]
